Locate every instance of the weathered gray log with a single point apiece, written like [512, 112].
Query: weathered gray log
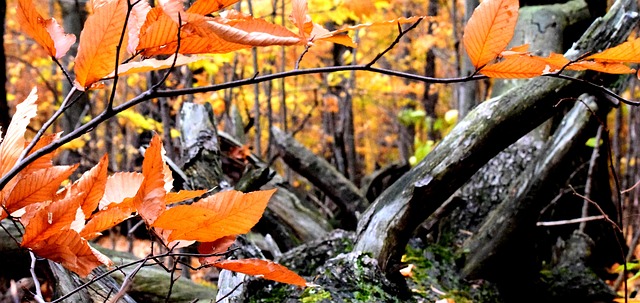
[200, 147]
[544, 29]
[151, 284]
[323, 176]
[387, 225]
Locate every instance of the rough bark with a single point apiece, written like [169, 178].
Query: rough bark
[508, 230]
[489, 128]
[322, 175]
[200, 147]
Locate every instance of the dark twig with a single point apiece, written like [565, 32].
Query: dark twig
[231, 292]
[393, 44]
[306, 50]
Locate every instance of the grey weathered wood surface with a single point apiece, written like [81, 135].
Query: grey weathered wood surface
[322, 175]
[387, 225]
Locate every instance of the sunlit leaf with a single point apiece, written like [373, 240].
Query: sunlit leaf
[205, 7]
[46, 160]
[47, 33]
[264, 268]
[120, 186]
[105, 219]
[514, 67]
[38, 186]
[98, 43]
[223, 214]
[627, 52]
[136, 21]
[13, 142]
[183, 195]
[70, 250]
[489, 30]
[244, 29]
[154, 64]
[149, 200]
[90, 187]
[50, 220]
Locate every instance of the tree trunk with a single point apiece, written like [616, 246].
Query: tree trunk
[489, 128]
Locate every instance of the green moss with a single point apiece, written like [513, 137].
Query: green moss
[314, 295]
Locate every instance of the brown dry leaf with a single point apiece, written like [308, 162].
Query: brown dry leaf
[223, 214]
[173, 9]
[489, 30]
[267, 269]
[300, 18]
[46, 32]
[219, 246]
[98, 43]
[205, 7]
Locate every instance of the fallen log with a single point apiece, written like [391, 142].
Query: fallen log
[323, 176]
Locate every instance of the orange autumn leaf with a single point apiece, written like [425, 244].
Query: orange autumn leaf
[46, 32]
[339, 36]
[105, 219]
[558, 61]
[38, 186]
[516, 67]
[90, 187]
[149, 200]
[73, 252]
[50, 220]
[98, 43]
[157, 30]
[300, 18]
[154, 64]
[627, 52]
[241, 28]
[183, 195]
[120, 186]
[489, 30]
[223, 214]
[205, 7]
[173, 8]
[46, 160]
[264, 268]
[219, 246]
[13, 141]
[604, 67]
